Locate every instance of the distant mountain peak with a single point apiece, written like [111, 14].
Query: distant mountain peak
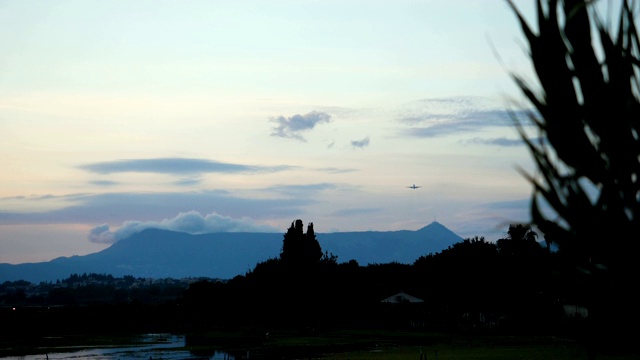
[157, 253]
[438, 230]
[433, 225]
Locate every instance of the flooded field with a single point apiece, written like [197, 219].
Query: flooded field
[145, 347]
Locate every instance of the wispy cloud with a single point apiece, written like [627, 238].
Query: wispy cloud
[360, 143]
[103, 183]
[446, 124]
[333, 170]
[34, 197]
[292, 127]
[176, 166]
[511, 204]
[354, 212]
[491, 220]
[118, 207]
[435, 130]
[305, 190]
[431, 118]
[496, 141]
[188, 181]
[191, 222]
[471, 117]
[503, 141]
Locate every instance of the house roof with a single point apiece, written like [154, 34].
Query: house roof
[402, 297]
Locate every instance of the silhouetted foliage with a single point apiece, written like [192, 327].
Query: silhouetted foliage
[521, 241]
[461, 279]
[300, 249]
[587, 112]
[466, 287]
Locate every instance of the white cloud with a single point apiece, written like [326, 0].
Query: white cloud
[191, 222]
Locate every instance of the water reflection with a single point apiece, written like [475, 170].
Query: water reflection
[148, 347]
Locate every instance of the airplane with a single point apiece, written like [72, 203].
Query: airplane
[414, 186]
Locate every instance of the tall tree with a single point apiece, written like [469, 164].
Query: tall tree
[298, 248]
[587, 114]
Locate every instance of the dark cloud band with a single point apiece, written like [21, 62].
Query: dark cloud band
[176, 166]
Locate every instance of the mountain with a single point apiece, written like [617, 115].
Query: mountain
[156, 253]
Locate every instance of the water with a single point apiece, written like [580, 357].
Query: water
[149, 347]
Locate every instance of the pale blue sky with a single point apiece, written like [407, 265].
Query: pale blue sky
[247, 115]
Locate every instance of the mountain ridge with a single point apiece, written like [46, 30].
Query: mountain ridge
[158, 253]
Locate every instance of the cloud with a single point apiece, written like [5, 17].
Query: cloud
[191, 222]
[103, 183]
[431, 118]
[472, 118]
[117, 207]
[176, 166]
[299, 191]
[29, 198]
[188, 181]
[492, 219]
[354, 212]
[496, 141]
[333, 170]
[360, 143]
[441, 129]
[291, 127]
[503, 141]
[101, 234]
[442, 125]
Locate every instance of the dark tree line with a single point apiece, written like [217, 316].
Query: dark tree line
[515, 285]
[84, 289]
[513, 280]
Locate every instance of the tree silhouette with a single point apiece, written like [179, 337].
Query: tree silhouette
[300, 249]
[522, 232]
[463, 278]
[521, 240]
[587, 114]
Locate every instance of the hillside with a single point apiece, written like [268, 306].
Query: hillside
[158, 253]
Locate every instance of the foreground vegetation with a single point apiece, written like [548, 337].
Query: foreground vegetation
[473, 299]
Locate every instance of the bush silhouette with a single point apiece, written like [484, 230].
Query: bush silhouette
[587, 115]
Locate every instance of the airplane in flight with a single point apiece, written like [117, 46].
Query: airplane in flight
[414, 186]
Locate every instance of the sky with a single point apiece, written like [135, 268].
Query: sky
[206, 116]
